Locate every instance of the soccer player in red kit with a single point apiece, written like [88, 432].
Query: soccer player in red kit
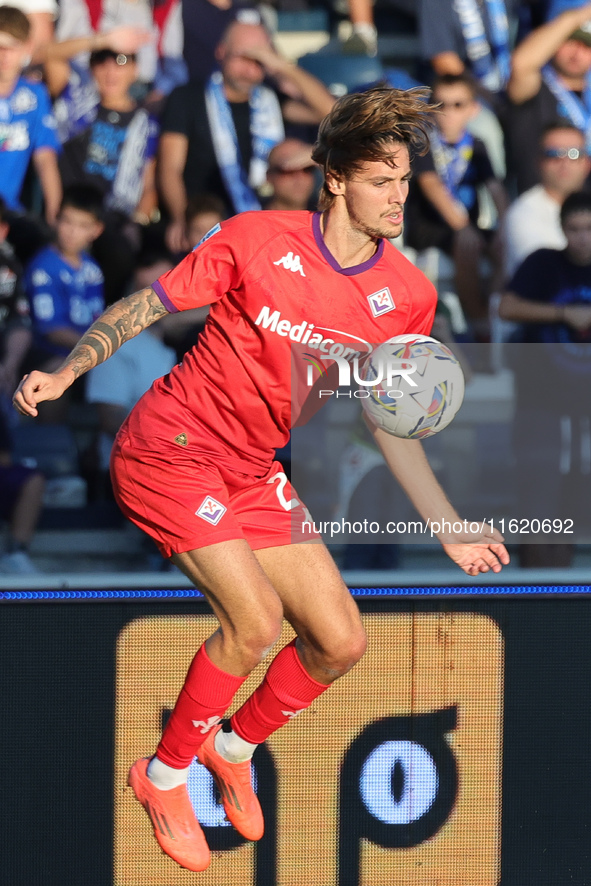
[194, 466]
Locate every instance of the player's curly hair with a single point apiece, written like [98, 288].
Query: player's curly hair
[361, 127]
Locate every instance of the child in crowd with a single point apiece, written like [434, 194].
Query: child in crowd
[64, 284]
[115, 152]
[203, 212]
[27, 132]
[443, 209]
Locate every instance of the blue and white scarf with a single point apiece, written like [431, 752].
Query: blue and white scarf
[491, 62]
[266, 129]
[451, 163]
[569, 104]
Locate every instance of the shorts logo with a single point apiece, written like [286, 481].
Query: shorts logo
[211, 510]
[381, 302]
[181, 439]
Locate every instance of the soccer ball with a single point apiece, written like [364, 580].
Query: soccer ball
[418, 386]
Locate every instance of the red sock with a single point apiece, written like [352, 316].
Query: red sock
[286, 690]
[204, 699]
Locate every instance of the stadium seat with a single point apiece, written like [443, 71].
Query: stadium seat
[50, 448]
[339, 72]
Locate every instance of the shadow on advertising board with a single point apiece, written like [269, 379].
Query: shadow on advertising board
[392, 778]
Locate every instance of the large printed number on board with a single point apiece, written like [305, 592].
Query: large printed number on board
[399, 783]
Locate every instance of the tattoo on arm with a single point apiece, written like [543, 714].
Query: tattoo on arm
[122, 321]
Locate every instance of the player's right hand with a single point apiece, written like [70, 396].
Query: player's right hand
[35, 388]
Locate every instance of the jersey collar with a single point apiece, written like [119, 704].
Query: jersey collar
[329, 257]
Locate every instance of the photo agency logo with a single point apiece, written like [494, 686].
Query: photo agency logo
[384, 377]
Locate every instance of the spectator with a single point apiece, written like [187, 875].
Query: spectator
[21, 500]
[15, 322]
[116, 154]
[205, 23]
[550, 294]
[291, 175]
[21, 489]
[443, 208]
[204, 212]
[70, 82]
[459, 36]
[41, 15]
[467, 36]
[65, 285]
[162, 20]
[216, 136]
[533, 219]
[27, 131]
[363, 39]
[548, 82]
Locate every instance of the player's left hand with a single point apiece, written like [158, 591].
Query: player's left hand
[484, 553]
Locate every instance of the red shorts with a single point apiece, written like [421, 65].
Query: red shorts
[186, 501]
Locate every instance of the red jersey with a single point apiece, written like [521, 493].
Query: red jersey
[271, 282]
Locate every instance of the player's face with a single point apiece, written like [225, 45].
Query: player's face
[573, 59]
[577, 230]
[76, 230]
[375, 195]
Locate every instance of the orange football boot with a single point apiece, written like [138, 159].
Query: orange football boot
[175, 827]
[234, 782]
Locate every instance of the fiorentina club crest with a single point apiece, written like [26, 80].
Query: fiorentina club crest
[381, 302]
[210, 510]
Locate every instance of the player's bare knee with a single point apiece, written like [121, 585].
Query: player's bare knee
[256, 642]
[343, 653]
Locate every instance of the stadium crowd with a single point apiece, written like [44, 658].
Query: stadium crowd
[129, 129]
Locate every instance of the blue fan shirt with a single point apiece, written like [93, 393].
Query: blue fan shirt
[27, 124]
[63, 296]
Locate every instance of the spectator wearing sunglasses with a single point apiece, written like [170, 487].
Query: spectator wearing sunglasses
[443, 209]
[115, 153]
[549, 82]
[533, 219]
[291, 175]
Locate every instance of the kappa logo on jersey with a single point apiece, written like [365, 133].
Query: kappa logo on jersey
[211, 510]
[381, 302]
[291, 262]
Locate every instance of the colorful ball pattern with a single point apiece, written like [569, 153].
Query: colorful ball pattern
[401, 408]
